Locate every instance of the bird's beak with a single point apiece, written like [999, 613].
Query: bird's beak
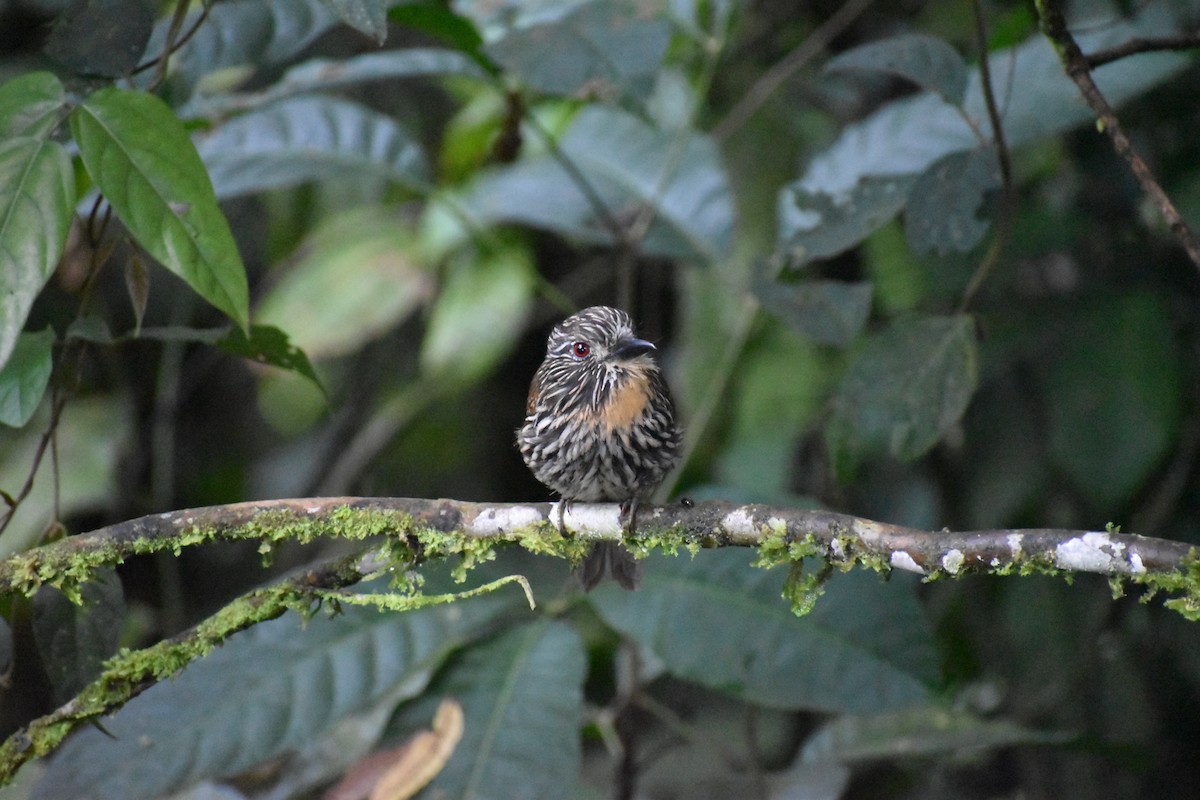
[628, 349]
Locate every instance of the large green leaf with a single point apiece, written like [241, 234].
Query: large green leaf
[479, 314]
[946, 211]
[613, 48]
[306, 139]
[23, 380]
[827, 312]
[143, 161]
[627, 165]
[904, 390]
[30, 105]
[36, 199]
[74, 639]
[925, 60]
[267, 690]
[356, 277]
[716, 620]
[522, 698]
[904, 138]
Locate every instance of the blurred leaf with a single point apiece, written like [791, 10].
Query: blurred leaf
[140, 156]
[102, 37]
[30, 105]
[23, 380]
[401, 772]
[479, 313]
[1117, 390]
[903, 391]
[322, 75]
[865, 647]
[269, 345]
[623, 161]
[827, 312]
[925, 60]
[305, 139]
[74, 640]
[241, 35]
[814, 225]
[137, 284]
[905, 137]
[36, 198]
[522, 695]
[365, 16]
[92, 435]
[219, 718]
[356, 277]
[914, 733]
[946, 201]
[606, 49]
[820, 781]
[442, 23]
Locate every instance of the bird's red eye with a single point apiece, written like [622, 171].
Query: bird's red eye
[581, 350]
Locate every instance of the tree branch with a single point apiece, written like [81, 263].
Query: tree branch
[447, 527]
[1138, 44]
[1078, 68]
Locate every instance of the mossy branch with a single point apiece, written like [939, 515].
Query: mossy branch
[411, 530]
[452, 527]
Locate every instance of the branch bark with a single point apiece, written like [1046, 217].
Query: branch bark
[1078, 68]
[837, 537]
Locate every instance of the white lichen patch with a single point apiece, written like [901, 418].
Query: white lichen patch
[952, 561]
[494, 521]
[1014, 545]
[594, 518]
[314, 509]
[836, 550]
[777, 525]
[1135, 564]
[1091, 552]
[902, 560]
[738, 523]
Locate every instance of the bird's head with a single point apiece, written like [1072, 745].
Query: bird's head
[596, 352]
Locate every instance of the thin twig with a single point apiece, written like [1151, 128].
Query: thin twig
[772, 79]
[1054, 26]
[1138, 44]
[1008, 201]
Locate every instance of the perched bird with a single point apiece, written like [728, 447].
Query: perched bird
[600, 426]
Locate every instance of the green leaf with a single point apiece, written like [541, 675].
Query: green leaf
[522, 699]
[1116, 389]
[30, 105]
[908, 385]
[819, 225]
[628, 164]
[901, 140]
[479, 313]
[356, 277]
[323, 75]
[74, 639]
[914, 733]
[102, 37]
[442, 23]
[612, 48]
[827, 312]
[220, 717]
[365, 16]
[306, 139]
[719, 622]
[238, 36]
[23, 380]
[36, 199]
[269, 345]
[143, 161]
[925, 60]
[946, 201]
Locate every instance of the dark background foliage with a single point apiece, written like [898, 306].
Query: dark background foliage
[795, 200]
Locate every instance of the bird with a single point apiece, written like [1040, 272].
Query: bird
[600, 426]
